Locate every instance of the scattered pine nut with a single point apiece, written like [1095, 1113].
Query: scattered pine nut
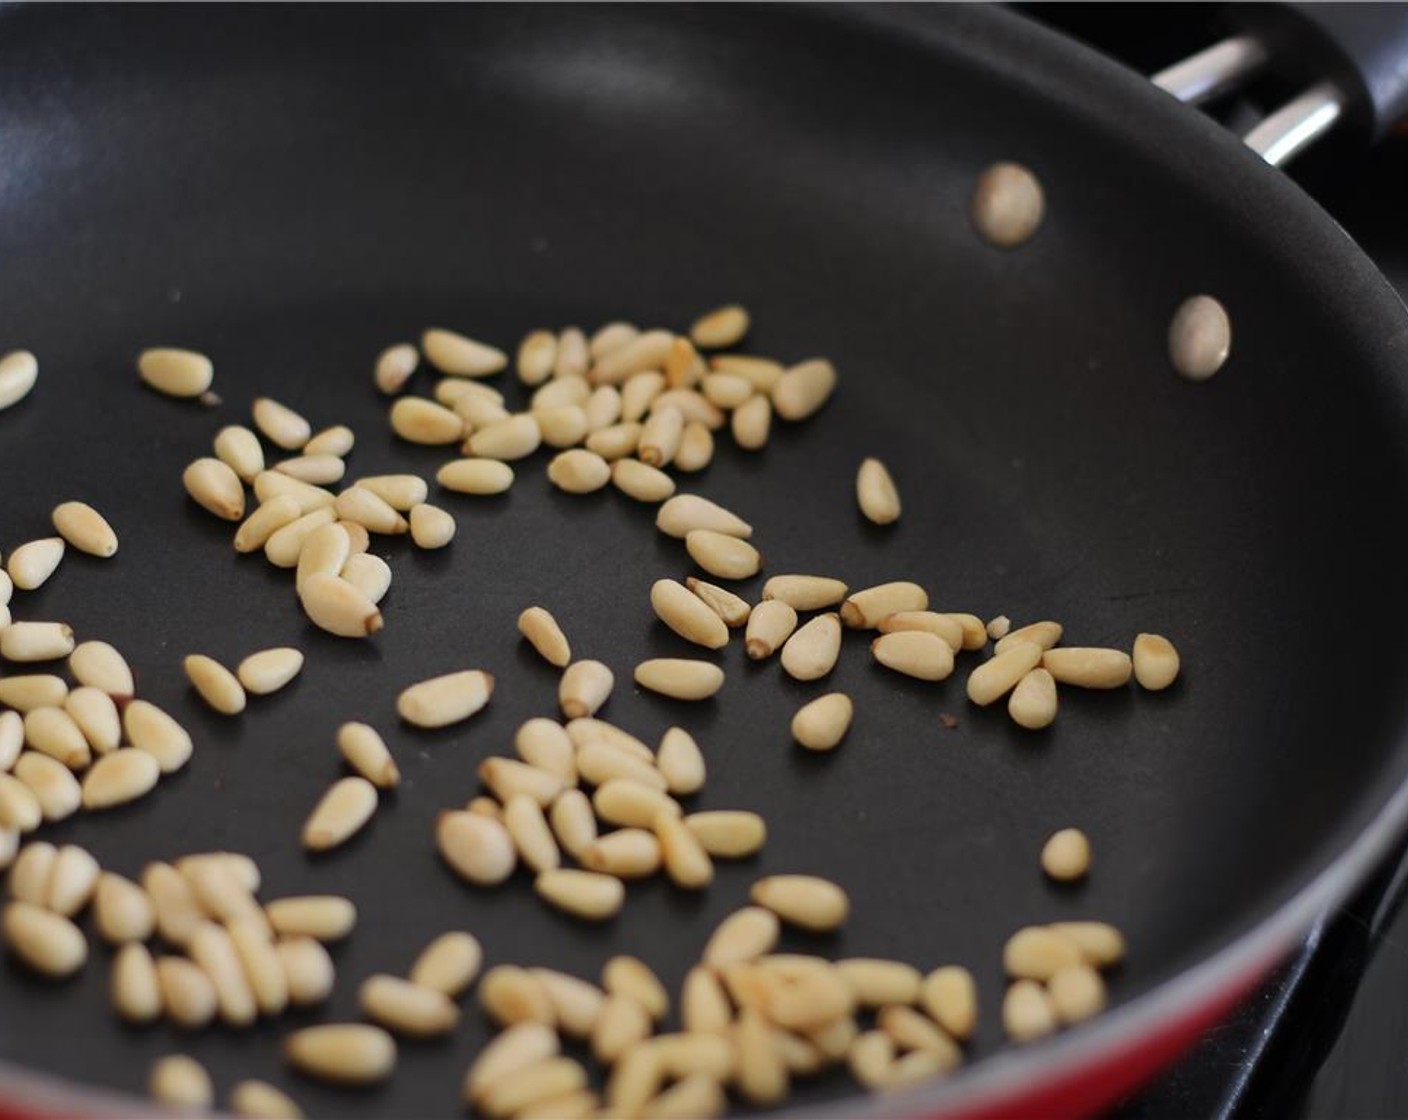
[999, 627]
[316, 470]
[1076, 993]
[19, 808]
[336, 606]
[476, 410]
[369, 574]
[639, 393]
[1066, 855]
[728, 833]
[431, 527]
[573, 822]
[642, 482]
[576, 1003]
[877, 982]
[1038, 952]
[217, 686]
[1100, 944]
[720, 328]
[117, 778]
[864, 610]
[545, 744]
[258, 1100]
[822, 723]
[27, 692]
[45, 941]
[532, 838]
[871, 1057]
[623, 1023]
[723, 602]
[31, 871]
[693, 407]
[579, 471]
[648, 350]
[121, 909]
[263, 968]
[805, 593]
[19, 370]
[751, 423]
[722, 556]
[696, 450]
[52, 732]
[336, 441]
[811, 652]
[684, 857]
[269, 670]
[308, 970]
[564, 426]
[11, 739]
[745, 935]
[660, 436]
[71, 881]
[507, 777]
[627, 853]
[513, 438]
[394, 367]
[136, 994]
[617, 441]
[421, 421]
[177, 910]
[36, 641]
[584, 732]
[349, 1053]
[406, 1007]
[537, 354]
[1155, 662]
[212, 949]
[687, 615]
[181, 1082]
[603, 408]
[1199, 337]
[806, 901]
[271, 516]
[950, 996]
[325, 917]
[520, 1046]
[803, 389]
[341, 813]
[633, 979]
[611, 336]
[1033, 702]
[177, 373]
[280, 424]
[31, 564]
[1007, 205]
[681, 763]
[285, 544]
[85, 529]
[573, 358]
[448, 964]
[559, 393]
[1087, 667]
[475, 476]
[214, 486]
[187, 993]
[240, 450]
[459, 355]
[994, 678]
[876, 493]
[684, 513]
[726, 390]
[477, 847]
[584, 894]
[1027, 1013]
[584, 688]
[623, 801]
[268, 484]
[914, 653]
[1045, 634]
[370, 510]
[52, 783]
[447, 699]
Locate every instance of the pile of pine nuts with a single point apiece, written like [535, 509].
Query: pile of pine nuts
[585, 806]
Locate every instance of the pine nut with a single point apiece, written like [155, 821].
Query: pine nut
[1066, 855]
[1027, 1013]
[402, 492]
[629, 853]
[770, 624]
[808, 1000]
[239, 449]
[728, 833]
[308, 970]
[683, 366]
[475, 476]
[660, 436]
[641, 482]
[631, 804]
[459, 355]
[394, 367]
[35, 641]
[286, 543]
[752, 423]
[1045, 634]
[639, 393]
[269, 670]
[950, 997]
[745, 935]
[685, 513]
[136, 994]
[371, 511]
[537, 354]
[632, 978]
[680, 762]
[45, 941]
[71, 881]
[603, 408]
[211, 948]
[723, 556]
[999, 627]
[876, 494]
[1076, 993]
[615, 442]
[864, 610]
[696, 1097]
[647, 350]
[877, 982]
[182, 1083]
[121, 909]
[694, 1052]
[997, 676]
[325, 917]
[584, 894]
[336, 606]
[543, 743]
[693, 407]
[684, 857]
[762, 373]
[85, 529]
[805, 593]
[1007, 205]
[1155, 662]
[822, 723]
[271, 516]
[511, 995]
[622, 1023]
[187, 993]
[316, 470]
[177, 373]
[1038, 952]
[577, 1004]
[421, 421]
[584, 731]
[560, 393]
[579, 472]
[431, 527]
[31, 565]
[507, 777]
[805, 901]
[475, 409]
[811, 652]
[348, 1053]
[31, 872]
[871, 1057]
[32, 691]
[1087, 667]
[217, 686]
[513, 1093]
[221, 891]
[584, 688]
[528, 827]
[1033, 702]
[263, 970]
[611, 336]
[477, 847]
[52, 783]
[407, 1008]
[261, 1101]
[514, 438]
[696, 449]
[448, 964]
[804, 388]
[564, 426]
[726, 390]
[340, 814]
[521, 1046]
[270, 484]
[213, 485]
[704, 1006]
[724, 603]
[368, 574]
[680, 678]
[336, 441]
[572, 358]
[280, 424]
[152, 730]
[325, 551]
[687, 615]
[917, 1067]
[7, 592]
[19, 808]
[573, 822]
[720, 328]
[762, 1076]
[914, 653]
[19, 370]
[174, 903]
[1100, 944]
[11, 739]
[1199, 337]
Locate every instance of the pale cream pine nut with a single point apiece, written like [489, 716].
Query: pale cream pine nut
[1038, 952]
[187, 993]
[431, 527]
[639, 393]
[914, 653]
[284, 545]
[475, 476]
[623, 1022]
[696, 1096]
[11, 739]
[1156, 662]
[19, 370]
[1033, 702]
[336, 606]
[728, 833]
[723, 556]
[680, 678]
[809, 1000]
[611, 336]
[407, 1008]
[308, 970]
[876, 494]
[7, 589]
[421, 421]
[360, 539]
[258, 1100]
[366, 752]
[241, 868]
[603, 408]
[1066, 855]
[822, 723]
[584, 688]
[747, 984]
[752, 423]
[975, 632]
[211, 948]
[177, 910]
[477, 847]
[394, 367]
[633, 979]
[369, 574]
[726, 390]
[572, 358]
[615, 442]
[630, 803]
[269, 484]
[762, 1075]
[325, 917]
[182, 1083]
[734, 610]
[944, 625]
[121, 910]
[917, 1067]
[863, 610]
[261, 964]
[877, 982]
[85, 529]
[562, 427]
[660, 436]
[336, 441]
[805, 593]
[519, 1047]
[684, 857]
[316, 470]
[269, 670]
[560, 392]
[31, 564]
[584, 731]
[459, 355]
[871, 1058]
[804, 388]
[577, 1004]
[950, 996]
[1007, 205]
[573, 822]
[537, 354]
[177, 373]
[45, 941]
[681, 762]
[29, 691]
[19, 808]
[647, 350]
[448, 964]
[578, 471]
[136, 994]
[811, 652]
[745, 935]
[214, 486]
[802, 1058]
[371, 511]
[635, 1079]
[1199, 337]
[1045, 634]
[628, 853]
[704, 1005]
[348, 1053]
[683, 366]
[478, 411]
[532, 838]
[1086, 667]
[721, 328]
[217, 686]
[240, 450]
[31, 871]
[805, 901]
[340, 814]
[996, 677]
[545, 744]
[770, 624]
[267, 519]
[834, 1039]
[509, 995]
[514, 438]
[583, 894]
[999, 627]
[693, 407]
[1100, 943]
[52, 783]
[1027, 1013]
[642, 482]
[687, 615]
[221, 890]
[1076, 994]
[696, 450]
[507, 777]
[280, 424]
[512, 1094]
[71, 881]
[763, 373]
[684, 513]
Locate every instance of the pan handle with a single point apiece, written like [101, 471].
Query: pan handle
[1351, 60]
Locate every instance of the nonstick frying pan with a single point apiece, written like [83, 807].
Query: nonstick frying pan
[292, 188]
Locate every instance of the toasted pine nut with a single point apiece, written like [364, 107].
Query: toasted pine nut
[280, 424]
[269, 670]
[528, 827]
[514, 438]
[944, 625]
[1199, 337]
[507, 777]
[187, 993]
[261, 1101]
[459, 355]
[914, 653]
[1100, 944]
[684, 857]
[217, 686]
[728, 833]
[683, 365]
[51, 782]
[19, 370]
[573, 822]
[285, 544]
[1038, 952]
[616, 442]
[628, 853]
[871, 1058]
[181, 1082]
[340, 814]
[803, 900]
[822, 723]
[448, 964]
[950, 997]
[1045, 634]
[33, 563]
[660, 436]
[1007, 205]
[407, 1008]
[647, 350]
[752, 423]
[316, 470]
[239, 449]
[622, 1023]
[52, 732]
[1033, 702]
[584, 894]
[723, 556]
[1076, 993]
[642, 482]
[577, 1004]
[584, 688]
[522, 1045]
[308, 970]
[1087, 667]
[804, 388]
[537, 354]
[121, 909]
[681, 762]
[805, 593]
[578, 471]
[744, 935]
[696, 449]
[639, 393]
[564, 426]
[31, 871]
[85, 529]
[997, 676]
[633, 979]
[350, 1053]
[543, 743]
[45, 941]
[394, 367]
[684, 513]
[431, 527]
[475, 476]
[1027, 1012]
[611, 336]
[864, 610]
[811, 652]
[1066, 855]
[1155, 662]
[477, 847]
[177, 373]
[336, 606]
[33, 690]
[693, 407]
[629, 803]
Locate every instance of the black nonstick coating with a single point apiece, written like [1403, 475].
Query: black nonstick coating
[290, 189]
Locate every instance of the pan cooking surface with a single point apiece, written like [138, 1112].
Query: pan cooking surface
[290, 191]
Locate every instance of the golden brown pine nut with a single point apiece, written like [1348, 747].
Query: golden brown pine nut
[684, 857]
[660, 436]
[871, 1058]
[721, 328]
[537, 354]
[639, 393]
[71, 881]
[45, 941]
[522, 1045]
[532, 838]
[647, 350]
[693, 407]
[633, 979]
[52, 732]
[563, 426]
[543, 743]
[177, 373]
[340, 814]
[217, 686]
[394, 367]
[704, 1006]
[52, 783]
[696, 449]
[211, 948]
[876, 982]
[338, 607]
[726, 390]
[1066, 855]
[259, 1100]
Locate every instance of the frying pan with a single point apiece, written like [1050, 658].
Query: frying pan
[292, 188]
